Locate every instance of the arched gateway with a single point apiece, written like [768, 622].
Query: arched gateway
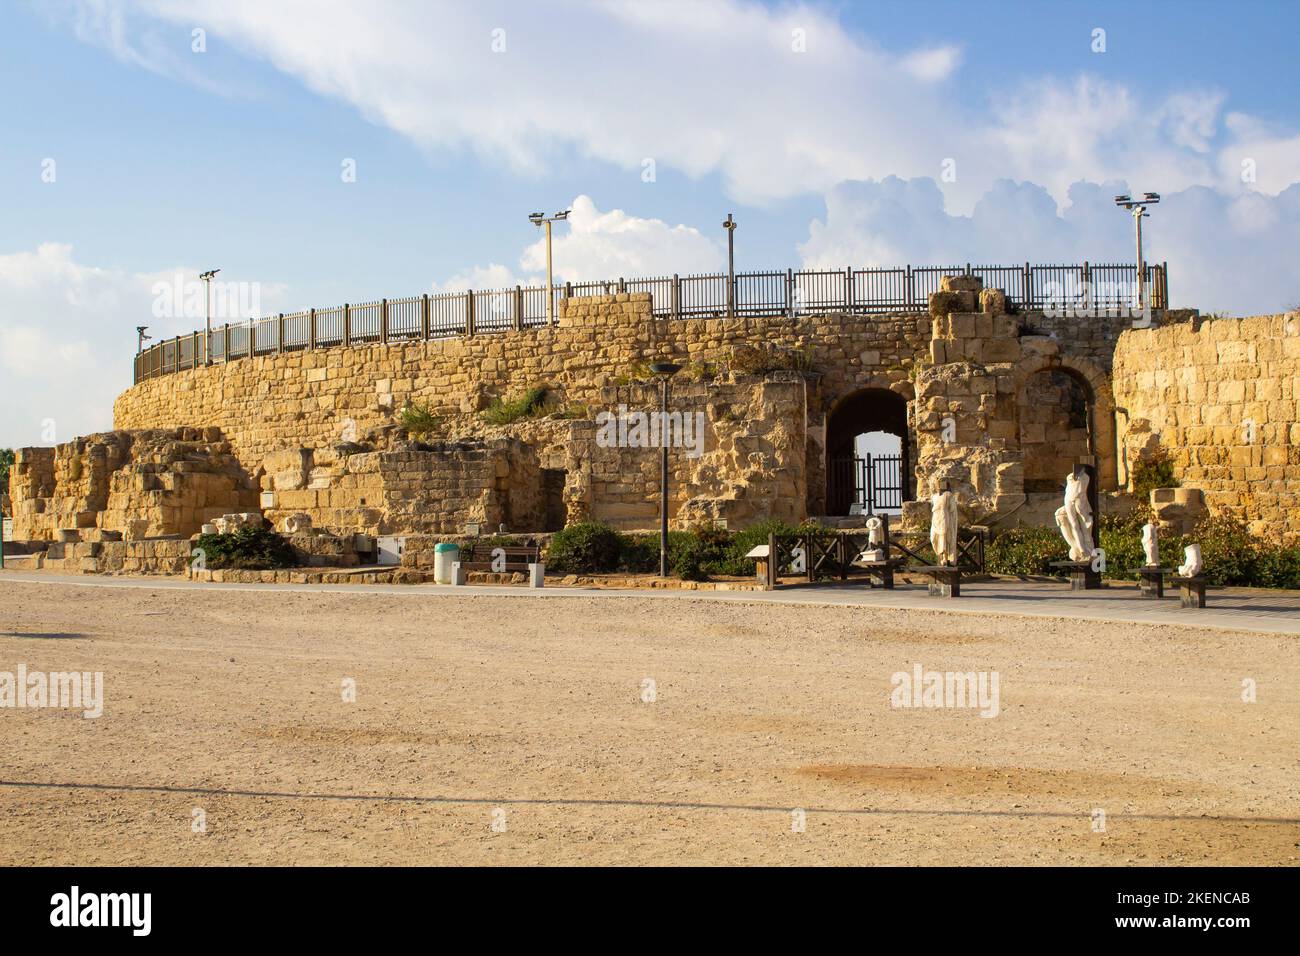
[868, 453]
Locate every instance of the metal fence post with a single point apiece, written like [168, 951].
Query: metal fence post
[311, 329]
[519, 307]
[1029, 288]
[279, 334]
[789, 292]
[383, 321]
[424, 316]
[347, 325]
[469, 312]
[252, 337]
[677, 296]
[848, 289]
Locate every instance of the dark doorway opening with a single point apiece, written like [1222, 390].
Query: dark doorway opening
[554, 512]
[868, 460]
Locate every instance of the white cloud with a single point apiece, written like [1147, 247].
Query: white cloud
[595, 245]
[606, 245]
[67, 336]
[1225, 253]
[1273, 155]
[934, 64]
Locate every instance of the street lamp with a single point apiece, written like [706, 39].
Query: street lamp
[730, 226]
[541, 219]
[207, 295]
[141, 338]
[665, 371]
[1138, 208]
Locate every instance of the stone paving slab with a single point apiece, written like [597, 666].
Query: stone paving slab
[1238, 609]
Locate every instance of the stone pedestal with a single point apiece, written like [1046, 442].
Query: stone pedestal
[880, 574]
[1082, 576]
[1191, 591]
[944, 581]
[536, 575]
[457, 574]
[1151, 581]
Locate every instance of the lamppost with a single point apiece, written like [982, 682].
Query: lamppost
[141, 338]
[730, 226]
[1138, 208]
[207, 295]
[541, 219]
[665, 371]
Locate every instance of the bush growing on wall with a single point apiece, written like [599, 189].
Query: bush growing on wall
[1156, 471]
[530, 404]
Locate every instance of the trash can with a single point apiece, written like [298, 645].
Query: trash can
[444, 556]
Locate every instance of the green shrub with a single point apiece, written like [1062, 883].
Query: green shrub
[1026, 550]
[250, 549]
[1121, 539]
[1228, 551]
[1278, 568]
[418, 420]
[6, 460]
[529, 405]
[587, 547]
[1230, 555]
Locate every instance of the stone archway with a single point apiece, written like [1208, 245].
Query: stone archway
[1065, 411]
[868, 411]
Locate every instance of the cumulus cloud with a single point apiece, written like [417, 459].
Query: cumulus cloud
[1225, 253]
[596, 245]
[67, 335]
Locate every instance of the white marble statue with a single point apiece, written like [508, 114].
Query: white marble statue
[943, 527]
[1074, 517]
[1192, 563]
[875, 550]
[1151, 544]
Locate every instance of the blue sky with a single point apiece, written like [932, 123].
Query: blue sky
[166, 159]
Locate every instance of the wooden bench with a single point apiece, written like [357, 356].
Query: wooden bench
[517, 559]
[945, 580]
[1081, 574]
[1191, 591]
[1151, 581]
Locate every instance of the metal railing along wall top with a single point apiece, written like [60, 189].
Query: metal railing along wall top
[1100, 287]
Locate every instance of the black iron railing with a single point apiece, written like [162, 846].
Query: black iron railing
[1087, 287]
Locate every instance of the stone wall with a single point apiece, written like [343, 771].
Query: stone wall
[416, 489]
[765, 428]
[1221, 398]
[166, 556]
[136, 484]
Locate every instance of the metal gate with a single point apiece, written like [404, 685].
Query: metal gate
[873, 483]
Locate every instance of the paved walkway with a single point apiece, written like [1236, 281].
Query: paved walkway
[1241, 609]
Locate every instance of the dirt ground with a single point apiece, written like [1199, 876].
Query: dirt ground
[515, 730]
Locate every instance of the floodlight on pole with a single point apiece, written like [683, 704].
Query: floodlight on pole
[207, 295]
[541, 219]
[1138, 209]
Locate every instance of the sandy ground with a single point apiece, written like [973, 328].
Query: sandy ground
[474, 711]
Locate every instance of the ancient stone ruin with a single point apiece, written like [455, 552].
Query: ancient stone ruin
[994, 404]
